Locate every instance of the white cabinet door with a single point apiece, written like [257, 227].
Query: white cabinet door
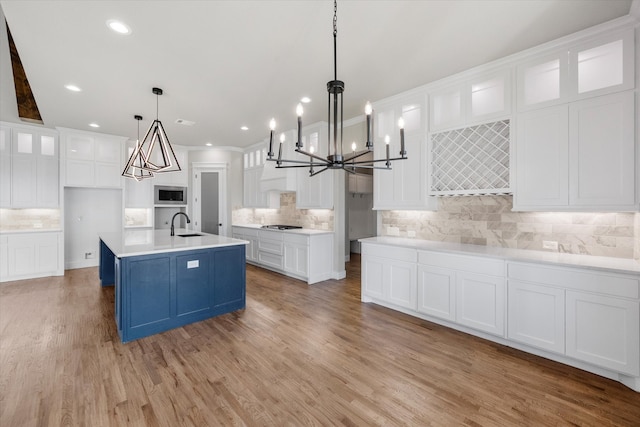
[542, 175]
[480, 302]
[24, 169]
[48, 163]
[603, 65]
[314, 192]
[404, 186]
[602, 151]
[543, 81]
[22, 255]
[373, 276]
[296, 259]
[79, 173]
[402, 284]
[604, 331]
[489, 97]
[108, 175]
[448, 107]
[46, 251]
[437, 292]
[5, 167]
[536, 315]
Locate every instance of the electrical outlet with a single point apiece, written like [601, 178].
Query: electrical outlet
[550, 244]
[325, 225]
[411, 233]
[89, 255]
[393, 231]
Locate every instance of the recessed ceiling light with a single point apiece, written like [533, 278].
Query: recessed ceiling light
[244, 128]
[73, 88]
[305, 99]
[94, 125]
[118, 26]
[208, 144]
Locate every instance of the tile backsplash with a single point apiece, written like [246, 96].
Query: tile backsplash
[29, 219]
[321, 219]
[488, 220]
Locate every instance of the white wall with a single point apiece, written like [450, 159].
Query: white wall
[87, 212]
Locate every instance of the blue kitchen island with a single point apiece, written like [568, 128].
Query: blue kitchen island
[164, 282]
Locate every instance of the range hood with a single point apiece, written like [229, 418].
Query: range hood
[282, 180]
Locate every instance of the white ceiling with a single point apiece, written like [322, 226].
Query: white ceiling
[224, 64]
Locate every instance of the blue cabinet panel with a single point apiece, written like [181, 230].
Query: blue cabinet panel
[149, 290]
[106, 269]
[228, 285]
[193, 290]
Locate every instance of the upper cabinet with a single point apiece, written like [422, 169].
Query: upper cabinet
[29, 159]
[253, 197]
[579, 156]
[176, 178]
[314, 192]
[92, 159]
[475, 100]
[405, 185]
[595, 67]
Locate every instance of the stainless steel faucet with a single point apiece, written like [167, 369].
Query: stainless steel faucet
[174, 217]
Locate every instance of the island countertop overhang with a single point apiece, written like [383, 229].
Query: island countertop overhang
[129, 243]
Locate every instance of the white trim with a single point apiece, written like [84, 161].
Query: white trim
[88, 132]
[205, 148]
[635, 9]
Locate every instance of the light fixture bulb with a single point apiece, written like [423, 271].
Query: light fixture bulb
[387, 140]
[299, 110]
[282, 138]
[368, 109]
[118, 27]
[311, 149]
[73, 88]
[401, 123]
[353, 146]
[305, 99]
[272, 124]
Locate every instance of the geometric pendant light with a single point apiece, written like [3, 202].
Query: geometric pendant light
[158, 155]
[134, 168]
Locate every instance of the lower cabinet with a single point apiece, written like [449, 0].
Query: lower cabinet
[581, 316]
[308, 257]
[31, 255]
[390, 276]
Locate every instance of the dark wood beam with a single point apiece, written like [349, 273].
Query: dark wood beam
[27, 106]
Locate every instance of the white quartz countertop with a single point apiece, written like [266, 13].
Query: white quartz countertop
[617, 265]
[305, 231]
[146, 242]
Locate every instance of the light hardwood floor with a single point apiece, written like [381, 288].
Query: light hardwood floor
[298, 355]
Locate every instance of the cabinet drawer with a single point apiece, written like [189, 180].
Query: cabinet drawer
[584, 280]
[271, 260]
[271, 235]
[297, 239]
[472, 264]
[390, 252]
[270, 246]
[252, 232]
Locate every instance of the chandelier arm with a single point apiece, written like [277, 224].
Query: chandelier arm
[356, 155]
[318, 171]
[301, 162]
[300, 166]
[322, 159]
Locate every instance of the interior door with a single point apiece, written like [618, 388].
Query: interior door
[209, 197]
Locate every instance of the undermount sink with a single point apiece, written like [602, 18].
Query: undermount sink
[189, 235]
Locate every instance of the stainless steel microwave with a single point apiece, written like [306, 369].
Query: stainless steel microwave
[167, 195]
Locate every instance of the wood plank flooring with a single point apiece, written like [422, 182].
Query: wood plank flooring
[298, 355]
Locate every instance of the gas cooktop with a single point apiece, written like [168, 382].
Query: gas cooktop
[281, 227]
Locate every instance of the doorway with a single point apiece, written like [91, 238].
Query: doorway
[210, 198]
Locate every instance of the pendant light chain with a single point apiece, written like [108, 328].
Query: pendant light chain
[335, 37]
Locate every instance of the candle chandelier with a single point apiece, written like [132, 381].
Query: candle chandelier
[336, 158]
[154, 154]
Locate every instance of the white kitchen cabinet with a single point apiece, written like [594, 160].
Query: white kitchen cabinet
[604, 331]
[405, 185]
[542, 159]
[390, 276]
[175, 178]
[578, 157]
[250, 235]
[30, 167]
[602, 65]
[314, 192]
[5, 166]
[30, 255]
[602, 152]
[596, 67]
[437, 292]
[360, 184]
[253, 196]
[92, 159]
[478, 99]
[296, 254]
[304, 255]
[480, 302]
[536, 315]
